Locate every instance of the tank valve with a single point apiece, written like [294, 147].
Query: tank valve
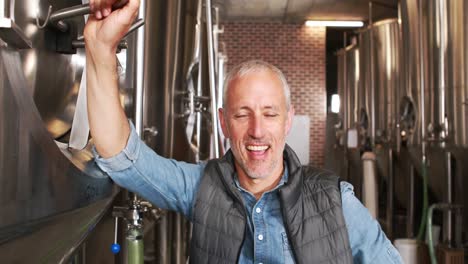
[132, 214]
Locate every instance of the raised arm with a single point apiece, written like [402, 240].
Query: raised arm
[103, 32]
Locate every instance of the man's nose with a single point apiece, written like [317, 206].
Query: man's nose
[256, 127]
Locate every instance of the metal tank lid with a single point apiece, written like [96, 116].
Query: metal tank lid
[377, 24]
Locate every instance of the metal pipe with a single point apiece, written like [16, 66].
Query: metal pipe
[138, 23]
[346, 112]
[221, 65]
[441, 68]
[80, 44]
[116, 225]
[211, 75]
[448, 214]
[397, 92]
[345, 108]
[196, 64]
[162, 239]
[135, 246]
[199, 90]
[172, 64]
[459, 224]
[78, 10]
[410, 206]
[69, 12]
[423, 120]
[372, 86]
[56, 17]
[216, 31]
[390, 190]
[177, 232]
[370, 197]
[422, 87]
[198, 33]
[140, 72]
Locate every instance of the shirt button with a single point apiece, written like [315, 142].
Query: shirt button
[260, 237]
[258, 210]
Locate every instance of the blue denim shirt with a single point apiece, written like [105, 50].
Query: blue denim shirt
[172, 185]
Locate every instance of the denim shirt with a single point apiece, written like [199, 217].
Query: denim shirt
[172, 185]
[266, 240]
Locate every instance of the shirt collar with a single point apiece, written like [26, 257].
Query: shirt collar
[284, 179]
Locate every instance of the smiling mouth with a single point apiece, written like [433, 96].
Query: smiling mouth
[256, 148]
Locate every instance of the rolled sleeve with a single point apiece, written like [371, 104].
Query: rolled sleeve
[369, 244]
[167, 183]
[125, 158]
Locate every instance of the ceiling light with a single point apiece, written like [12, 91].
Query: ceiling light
[333, 23]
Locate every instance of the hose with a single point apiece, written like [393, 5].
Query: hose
[422, 226]
[444, 207]
[429, 234]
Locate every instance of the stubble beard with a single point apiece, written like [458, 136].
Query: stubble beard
[251, 171]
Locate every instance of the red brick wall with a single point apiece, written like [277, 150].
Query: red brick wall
[299, 51]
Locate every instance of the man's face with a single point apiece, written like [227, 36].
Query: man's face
[256, 121]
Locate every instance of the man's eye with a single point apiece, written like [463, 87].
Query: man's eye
[271, 115]
[240, 116]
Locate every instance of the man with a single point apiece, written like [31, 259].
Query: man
[254, 205]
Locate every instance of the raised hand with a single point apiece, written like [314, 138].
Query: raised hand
[106, 28]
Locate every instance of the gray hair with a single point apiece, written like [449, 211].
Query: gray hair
[256, 66]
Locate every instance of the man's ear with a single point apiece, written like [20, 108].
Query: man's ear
[289, 119]
[222, 120]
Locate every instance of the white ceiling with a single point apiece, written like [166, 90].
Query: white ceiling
[300, 10]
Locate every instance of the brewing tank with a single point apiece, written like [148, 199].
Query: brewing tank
[439, 66]
[176, 89]
[47, 190]
[456, 57]
[53, 78]
[409, 96]
[380, 79]
[348, 82]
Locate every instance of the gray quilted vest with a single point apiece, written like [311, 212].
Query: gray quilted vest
[311, 208]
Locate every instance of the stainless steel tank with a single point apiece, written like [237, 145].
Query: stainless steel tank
[53, 78]
[41, 178]
[456, 71]
[440, 67]
[435, 74]
[409, 95]
[380, 79]
[170, 63]
[46, 190]
[348, 82]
